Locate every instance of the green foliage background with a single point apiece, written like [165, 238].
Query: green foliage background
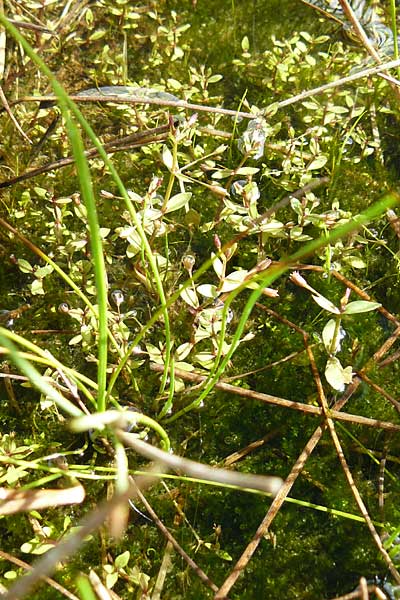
[245, 56]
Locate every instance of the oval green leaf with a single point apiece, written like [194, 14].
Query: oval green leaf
[360, 306]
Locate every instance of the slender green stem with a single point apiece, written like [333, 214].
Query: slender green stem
[36, 378]
[168, 404]
[393, 19]
[335, 337]
[67, 108]
[44, 357]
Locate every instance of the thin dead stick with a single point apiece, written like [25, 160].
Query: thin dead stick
[165, 566]
[372, 589]
[342, 459]
[272, 512]
[264, 483]
[117, 99]
[345, 466]
[354, 288]
[48, 563]
[374, 360]
[3, 44]
[10, 114]
[224, 111]
[380, 390]
[128, 142]
[392, 358]
[365, 41]
[284, 491]
[394, 221]
[199, 572]
[280, 498]
[14, 500]
[102, 593]
[283, 402]
[384, 349]
[27, 567]
[236, 456]
[364, 589]
[359, 30]
[357, 496]
[309, 187]
[337, 444]
[362, 37]
[381, 483]
[31, 27]
[270, 365]
[338, 83]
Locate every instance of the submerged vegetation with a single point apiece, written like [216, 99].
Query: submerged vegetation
[199, 300]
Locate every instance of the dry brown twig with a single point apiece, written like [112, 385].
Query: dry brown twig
[283, 402]
[135, 140]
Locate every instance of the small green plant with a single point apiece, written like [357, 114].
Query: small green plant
[334, 332]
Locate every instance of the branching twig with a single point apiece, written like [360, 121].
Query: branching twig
[283, 402]
[117, 99]
[128, 142]
[345, 467]
[298, 467]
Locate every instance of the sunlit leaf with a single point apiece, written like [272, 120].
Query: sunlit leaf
[111, 580]
[37, 287]
[317, 163]
[325, 304]
[190, 297]
[155, 354]
[24, 266]
[247, 171]
[336, 375]
[327, 335]
[233, 281]
[215, 78]
[183, 351]
[245, 44]
[122, 560]
[223, 554]
[360, 306]
[355, 261]
[218, 266]
[178, 201]
[184, 366]
[207, 290]
[167, 158]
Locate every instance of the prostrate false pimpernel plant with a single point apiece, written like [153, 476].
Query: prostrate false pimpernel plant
[153, 234]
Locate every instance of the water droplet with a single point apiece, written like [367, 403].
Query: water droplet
[136, 350]
[188, 262]
[237, 188]
[158, 200]
[63, 308]
[117, 296]
[6, 318]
